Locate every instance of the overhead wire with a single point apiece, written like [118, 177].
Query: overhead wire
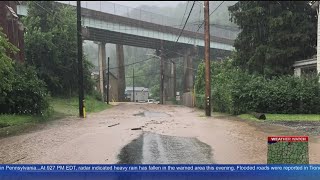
[209, 16]
[184, 13]
[186, 20]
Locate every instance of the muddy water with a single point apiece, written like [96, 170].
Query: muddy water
[246, 142]
[152, 114]
[166, 132]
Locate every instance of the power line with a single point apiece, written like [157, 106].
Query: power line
[199, 2]
[210, 14]
[186, 20]
[184, 14]
[157, 73]
[150, 75]
[197, 23]
[132, 63]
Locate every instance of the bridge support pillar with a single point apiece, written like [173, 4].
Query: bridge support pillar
[102, 65]
[166, 79]
[172, 80]
[121, 72]
[160, 53]
[188, 72]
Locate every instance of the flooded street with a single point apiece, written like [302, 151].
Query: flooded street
[148, 133]
[151, 148]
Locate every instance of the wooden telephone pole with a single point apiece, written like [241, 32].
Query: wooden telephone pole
[108, 85]
[161, 73]
[134, 100]
[207, 57]
[80, 65]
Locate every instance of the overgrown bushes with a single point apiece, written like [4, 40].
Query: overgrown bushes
[27, 93]
[21, 92]
[235, 91]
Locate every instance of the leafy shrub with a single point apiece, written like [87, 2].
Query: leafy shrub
[235, 91]
[6, 66]
[21, 91]
[97, 95]
[28, 94]
[200, 101]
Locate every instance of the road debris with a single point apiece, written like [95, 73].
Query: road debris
[114, 125]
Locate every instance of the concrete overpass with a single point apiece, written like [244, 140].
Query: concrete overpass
[105, 28]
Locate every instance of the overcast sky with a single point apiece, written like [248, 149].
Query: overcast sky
[151, 3]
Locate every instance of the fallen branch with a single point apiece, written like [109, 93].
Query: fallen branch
[114, 125]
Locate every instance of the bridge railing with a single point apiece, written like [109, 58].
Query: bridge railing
[125, 11]
[140, 14]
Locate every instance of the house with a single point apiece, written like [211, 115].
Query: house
[140, 94]
[311, 65]
[113, 86]
[12, 27]
[316, 6]
[307, 66]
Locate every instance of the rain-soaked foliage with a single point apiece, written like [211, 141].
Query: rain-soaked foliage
[51, 46]
[236, 91]
[274, 35]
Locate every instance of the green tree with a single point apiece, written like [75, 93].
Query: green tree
[21, 91]
[274, 35]
[6, 66]
[51, 46]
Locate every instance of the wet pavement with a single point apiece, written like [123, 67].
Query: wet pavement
[152, 114]
[311, 128]
[152, 148]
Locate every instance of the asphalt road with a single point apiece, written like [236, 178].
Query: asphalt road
[151, 148]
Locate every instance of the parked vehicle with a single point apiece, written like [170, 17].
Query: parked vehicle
[151, 101]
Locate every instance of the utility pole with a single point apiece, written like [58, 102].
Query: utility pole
[80, 65]
[108, 85]
[173, 66]
[133, 84]
[161, 73]
[104, 69]
[162, 79]
[207, 57]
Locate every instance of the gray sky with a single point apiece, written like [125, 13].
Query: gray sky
[151, 3]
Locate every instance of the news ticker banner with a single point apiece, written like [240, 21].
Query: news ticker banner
[288, 150]
[157, 171]
[164, 168]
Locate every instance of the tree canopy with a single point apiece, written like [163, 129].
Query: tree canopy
[51, 46]
[274, 35]
[6, 66]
